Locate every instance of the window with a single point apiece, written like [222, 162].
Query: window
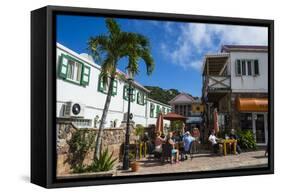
[163, 110]
[243, 67]
[238, 67]
[103, 87]
[141, 98]
[72, 70]
[246, 122]
[256, 67]
[152, 107]
[125, 93]
[249, 67]
[158, 110]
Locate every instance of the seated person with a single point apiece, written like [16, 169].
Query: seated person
[158, 142]
[173, 151]
[232, 135]
[195, 133]
[187, 140]
[213, 139]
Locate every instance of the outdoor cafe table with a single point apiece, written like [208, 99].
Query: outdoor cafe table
[224, 142]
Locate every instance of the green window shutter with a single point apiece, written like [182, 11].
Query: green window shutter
[157, 110]
[144, 99]
[152, 107]
[256, 67]
[134, 95]
[140, 98]
[85, 79]
[114, 90]
[100, 85]
[125, 92]
[238, 67]
[63, 66]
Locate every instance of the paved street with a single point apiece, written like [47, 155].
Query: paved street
[201, 162]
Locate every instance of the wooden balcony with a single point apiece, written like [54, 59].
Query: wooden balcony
[216, 84]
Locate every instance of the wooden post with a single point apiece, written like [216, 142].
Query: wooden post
[234, 149]
[145, 148]
[140, 153]
[224, 148]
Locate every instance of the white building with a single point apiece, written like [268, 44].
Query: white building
[235, 82]
[81, 94]
[189, 107]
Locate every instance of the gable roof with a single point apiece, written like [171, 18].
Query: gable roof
[244, 48]
[182, 98]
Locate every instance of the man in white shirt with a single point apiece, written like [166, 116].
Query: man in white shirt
[213, 139]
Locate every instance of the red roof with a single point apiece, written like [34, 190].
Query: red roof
[174, 116]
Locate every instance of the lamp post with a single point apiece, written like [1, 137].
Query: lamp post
[127, 136]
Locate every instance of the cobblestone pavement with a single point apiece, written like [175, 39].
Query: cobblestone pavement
[200, 162]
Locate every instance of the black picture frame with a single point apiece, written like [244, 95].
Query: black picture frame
[43, 96]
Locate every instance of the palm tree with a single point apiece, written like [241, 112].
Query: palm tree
[108, 49]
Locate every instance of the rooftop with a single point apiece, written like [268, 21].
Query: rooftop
[244, 48]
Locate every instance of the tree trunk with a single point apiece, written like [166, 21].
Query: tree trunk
[103, 118]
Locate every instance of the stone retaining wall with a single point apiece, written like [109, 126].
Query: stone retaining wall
[112, 139]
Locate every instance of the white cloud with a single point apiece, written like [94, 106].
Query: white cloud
[195, 40]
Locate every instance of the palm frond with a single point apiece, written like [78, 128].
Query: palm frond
[112, 27]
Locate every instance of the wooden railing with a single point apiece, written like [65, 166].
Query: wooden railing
[213, 83]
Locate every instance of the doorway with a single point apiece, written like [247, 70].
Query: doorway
[260, 128]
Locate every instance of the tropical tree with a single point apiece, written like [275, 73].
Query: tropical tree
[107, 50]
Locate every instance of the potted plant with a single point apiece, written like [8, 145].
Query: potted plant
[135, 165]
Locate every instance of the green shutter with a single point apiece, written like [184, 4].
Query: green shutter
[152, 110]
[85, 78]
[256, 67]
[114, 90]
[140, 98]
[157, 110]
[100, 85]
[63, 66]
[125, 92]
[133, 95]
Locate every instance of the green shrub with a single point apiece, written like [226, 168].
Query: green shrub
[139, 130]
[246, 140]
[80, 144]
[103, 163]
[176, 125]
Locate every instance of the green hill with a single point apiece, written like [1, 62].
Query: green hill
[161, 95]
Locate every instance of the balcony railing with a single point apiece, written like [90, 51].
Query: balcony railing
[216, 83]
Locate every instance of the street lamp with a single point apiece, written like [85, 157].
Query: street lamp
[127, 136]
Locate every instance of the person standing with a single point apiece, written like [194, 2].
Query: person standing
[174, 151]
[187, 142]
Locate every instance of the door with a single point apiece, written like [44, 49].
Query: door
[260, 128]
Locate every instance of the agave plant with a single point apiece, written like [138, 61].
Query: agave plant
[104, 162]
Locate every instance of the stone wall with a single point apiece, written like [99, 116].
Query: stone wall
[112, 139]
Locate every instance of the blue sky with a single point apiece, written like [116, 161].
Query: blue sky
[177, 48]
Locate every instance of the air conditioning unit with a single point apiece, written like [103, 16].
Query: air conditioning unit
[74, 109]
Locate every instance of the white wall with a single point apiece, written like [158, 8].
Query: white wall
[250, 83]
[94, 100]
